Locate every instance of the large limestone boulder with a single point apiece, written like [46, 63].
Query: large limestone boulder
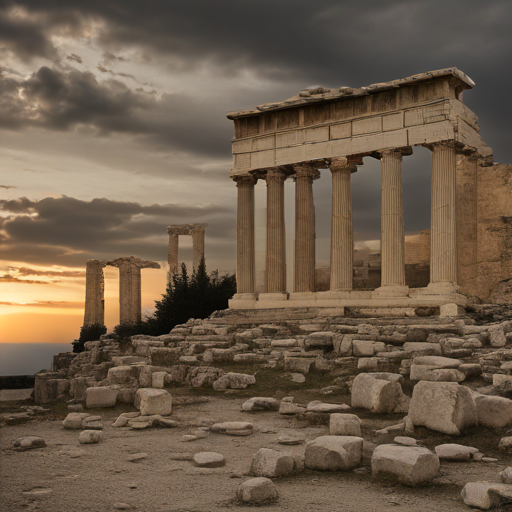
[271, 463]
[493, 411]
[378, 392]
[424, 372]
[344, 425]
[90, 437]
[319, 406]
[234, 381]
[209, 460]
[103, 396]
[442, 406]
[334, 453]
[486, 495]
[257, 490]
[410, 465]
[153, 401]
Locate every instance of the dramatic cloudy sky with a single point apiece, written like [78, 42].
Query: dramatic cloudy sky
[112, 124]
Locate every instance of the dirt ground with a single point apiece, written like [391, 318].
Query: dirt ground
[69, 477]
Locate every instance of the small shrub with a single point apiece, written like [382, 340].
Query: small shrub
[88, 333]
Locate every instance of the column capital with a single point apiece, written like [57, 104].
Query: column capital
[339, 164]
[275, 175]
[394, 152]
[245, 179]
[307, 170]
[448, 144]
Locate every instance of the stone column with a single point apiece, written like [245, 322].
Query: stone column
[130, 287]
[275, 256]
[94, 293]
[245, 245]
[342, 237]
[197, 233]
[443, 232]
[304, 276]
[172, 256]
[392, 226]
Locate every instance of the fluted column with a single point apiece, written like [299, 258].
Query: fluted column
[342, 237]
[94, 293]
[304, 276]
[245, 246]
[172, 255]
[275, 256]
[130, 287]
[443, 232]
[392, 225]
[197, 234]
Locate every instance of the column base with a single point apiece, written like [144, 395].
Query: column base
[273, 296]
[441, 288]
[391, 291]
[244, 296]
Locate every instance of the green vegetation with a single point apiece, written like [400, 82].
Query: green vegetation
[186, 297]
[88, 333]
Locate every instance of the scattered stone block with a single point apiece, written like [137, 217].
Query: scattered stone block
[344, 425]
[422, 372]
[90, 437]
[377, 394]
[298, 378]
[290, 439]
[257, 490]
[362, 348]
[29, 443]
[75, 408]
[92, 423]
[505, 444]
[234, 381]
[233, 428]
[153, 401]
[405, 441]
[493, 411]
[319, 406]
[137, 457]
[104, 396]
[298, 364]
[158, 380]
[442, 406]
[333, 453]
[497, 336]
[74, 420]
[271, 463]
[291, 408]
[410, 465]
[209, 460]
[388, 434]
[452, 451]
[485, 495]
[120, 375]
[259, 403]
[506, 475]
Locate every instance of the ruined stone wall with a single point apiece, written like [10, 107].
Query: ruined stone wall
[494, 236]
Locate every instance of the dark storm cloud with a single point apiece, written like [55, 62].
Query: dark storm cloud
[67, 100]
[7, 187]
[69, 231]
[297, 42]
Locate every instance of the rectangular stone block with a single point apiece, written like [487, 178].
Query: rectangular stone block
[369, 125]
[341, 131]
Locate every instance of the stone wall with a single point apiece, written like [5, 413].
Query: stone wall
[494, 231]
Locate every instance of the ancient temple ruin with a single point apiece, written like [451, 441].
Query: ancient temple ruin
[196, 231]
[336, 128]
[129, 289]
